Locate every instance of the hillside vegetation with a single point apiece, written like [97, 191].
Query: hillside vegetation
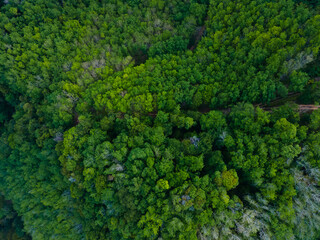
[154, 119]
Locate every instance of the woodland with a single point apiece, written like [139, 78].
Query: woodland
[159, 120]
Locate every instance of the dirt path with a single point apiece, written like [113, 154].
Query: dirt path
[198, 36]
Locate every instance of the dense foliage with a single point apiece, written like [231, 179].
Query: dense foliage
[140, 119]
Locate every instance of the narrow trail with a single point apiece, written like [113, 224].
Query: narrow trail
[302, 108]
[279, 100]
[198, 36]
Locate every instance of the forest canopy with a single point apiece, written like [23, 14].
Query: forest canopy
[137, 119]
